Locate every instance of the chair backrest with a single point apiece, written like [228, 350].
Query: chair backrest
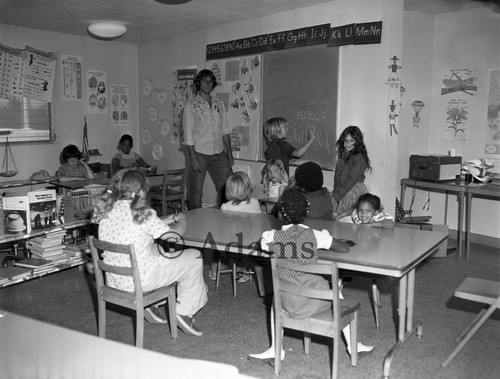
[329, 269]
[106, 167]
[98, 247]
[173, 179]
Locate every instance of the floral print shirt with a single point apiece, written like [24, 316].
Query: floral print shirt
[119, 227]
[204, 126]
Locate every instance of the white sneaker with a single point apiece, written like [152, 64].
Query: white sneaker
[362, 349]
[265, 357]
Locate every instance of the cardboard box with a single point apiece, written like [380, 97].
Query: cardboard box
[441, 250]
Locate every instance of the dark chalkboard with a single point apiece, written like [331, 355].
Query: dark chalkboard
[301, 85]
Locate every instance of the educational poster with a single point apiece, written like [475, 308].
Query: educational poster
[182, 92]
[71, 78]
[459, 85]
[119, 105]
[96, 92]
[492, 130]
[12, 69]
[39, 75]
[240, 88]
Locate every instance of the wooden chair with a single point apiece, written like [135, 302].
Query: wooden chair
[375, 290]
[172, 189]
[482, 291]
[344, 312]
[136, 300]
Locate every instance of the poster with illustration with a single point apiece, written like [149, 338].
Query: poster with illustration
[39, 74]
[119, 105]
[182, 92]
[459, 85]
[240, 88]
[71, 78]
[97, 92]
[492, 129]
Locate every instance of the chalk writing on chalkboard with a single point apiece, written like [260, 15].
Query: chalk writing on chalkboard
[301, 86]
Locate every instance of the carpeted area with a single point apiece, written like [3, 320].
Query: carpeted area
[233, 328]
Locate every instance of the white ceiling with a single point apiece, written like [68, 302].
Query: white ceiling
[149, 20]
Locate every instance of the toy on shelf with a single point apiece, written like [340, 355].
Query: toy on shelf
[8, 152]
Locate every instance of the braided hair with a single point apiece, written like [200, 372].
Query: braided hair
[293, 206]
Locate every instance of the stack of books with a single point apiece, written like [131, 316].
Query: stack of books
[37, 265]
[76, 254]
[14, 273]
[49, 246]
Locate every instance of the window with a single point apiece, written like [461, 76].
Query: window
[27, 120]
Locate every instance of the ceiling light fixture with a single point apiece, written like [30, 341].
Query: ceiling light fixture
[107, 30]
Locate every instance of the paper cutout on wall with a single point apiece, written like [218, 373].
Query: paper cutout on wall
[165, 127]
[393, 79]
[392, 118]
[417, 107]
[161, 96]
[146, 137]
[157, 152]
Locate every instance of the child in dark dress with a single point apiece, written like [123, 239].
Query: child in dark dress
[287, 242]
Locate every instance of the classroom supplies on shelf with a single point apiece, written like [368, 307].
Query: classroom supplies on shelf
[14, 211]
[34, 263]
[43, 210]
[15, 272]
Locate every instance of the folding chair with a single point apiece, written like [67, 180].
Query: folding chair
[482, 291]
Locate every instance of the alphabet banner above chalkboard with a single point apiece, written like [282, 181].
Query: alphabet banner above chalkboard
[364, 33]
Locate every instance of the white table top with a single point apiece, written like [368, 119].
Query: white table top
[390, 252]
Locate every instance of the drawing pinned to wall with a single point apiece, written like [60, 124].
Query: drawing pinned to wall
[96, 92]
[460, 80]
[392, 118]
[146, 136]
[161, 96]
[417, 107]
[182, 92]
[119, 105]
[393, 79]
[240, 88]
[492, 130]
[157, 152]
[165, 127]
[456, 119]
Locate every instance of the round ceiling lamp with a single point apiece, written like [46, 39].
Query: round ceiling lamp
[107, 30]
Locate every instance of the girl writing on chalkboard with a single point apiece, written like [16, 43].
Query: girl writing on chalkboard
[352, 163]
[275, 131]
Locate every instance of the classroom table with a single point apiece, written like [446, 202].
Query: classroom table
[36, 349]
[262, 195]
[392, 252]
[69, 186]
[465, 191]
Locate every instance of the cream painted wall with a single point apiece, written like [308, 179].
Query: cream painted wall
[466, 39]
[118, 60]
[363, 71]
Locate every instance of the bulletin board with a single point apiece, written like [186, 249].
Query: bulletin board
[239, 86]
[300, 85]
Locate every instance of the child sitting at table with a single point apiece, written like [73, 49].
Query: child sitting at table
[368, 211]
[126, 157]
[309, 179]
[275, 178]
[74, 167]
[238, 192]
[124, 217]
[293, 208]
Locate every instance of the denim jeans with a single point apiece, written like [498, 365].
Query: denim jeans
[219, 169]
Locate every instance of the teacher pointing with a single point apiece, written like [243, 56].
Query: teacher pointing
[206, 131]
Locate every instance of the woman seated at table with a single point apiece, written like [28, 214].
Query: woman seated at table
[74, 167]
[126, 157]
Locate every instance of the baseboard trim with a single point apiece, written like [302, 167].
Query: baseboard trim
[479, 238]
